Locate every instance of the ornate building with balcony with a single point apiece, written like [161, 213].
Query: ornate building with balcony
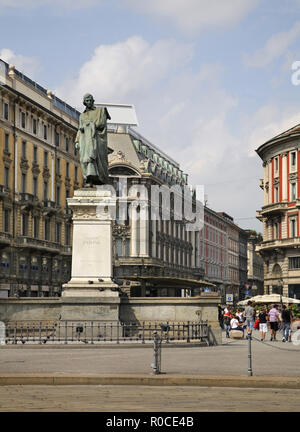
[38, 171]
[152, 256]
[280, 248]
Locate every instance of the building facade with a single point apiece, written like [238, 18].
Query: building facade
[153, 256]
[213, 247]
[255, 283]
[38, 171]
[280, 248]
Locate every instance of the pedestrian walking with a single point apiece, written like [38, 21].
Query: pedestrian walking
[263, 323]
[227, 318]
[287, 317]
[220, 317]
[274, 321]
[250, 315]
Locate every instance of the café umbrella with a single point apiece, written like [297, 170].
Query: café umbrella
[269, 298]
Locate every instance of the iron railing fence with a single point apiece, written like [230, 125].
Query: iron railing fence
[98, 332]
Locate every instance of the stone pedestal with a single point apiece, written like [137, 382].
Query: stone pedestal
[91, 279]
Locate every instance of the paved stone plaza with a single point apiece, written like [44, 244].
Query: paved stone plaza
[230, 358]
[275, 360]
[146, 398]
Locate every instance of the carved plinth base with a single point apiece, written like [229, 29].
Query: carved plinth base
[93, 212]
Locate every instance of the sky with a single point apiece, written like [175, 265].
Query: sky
[211, 80]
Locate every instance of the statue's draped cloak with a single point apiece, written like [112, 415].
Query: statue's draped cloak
[92, 140]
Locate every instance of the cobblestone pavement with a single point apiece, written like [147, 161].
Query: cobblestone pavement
[149, 399]
[231, 358]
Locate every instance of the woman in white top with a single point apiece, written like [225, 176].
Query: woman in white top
[235, 324]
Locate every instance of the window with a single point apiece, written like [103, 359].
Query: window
[276, 230]
[293, 191]
[67, 170]
[58, 166]
[45, 159]
[45, 132]
[45, 191]
[24, 149]
[6, 142]
[5, 111]
[294, 263]
[23, 120]
[35, 186]
[276, 164]
[293, 159]
[127, 247]
[58, 232]
[47, 229]
[36, 226]
[293, 227]
[56, 135]
[67, 234]
[119, 247]
[6, 220]
[35, 150]
[67, 144]
[276, 194]
[34, 128]
[23, 183]
[76, 174]
[24, 224]
[6, 177]
[58, 195]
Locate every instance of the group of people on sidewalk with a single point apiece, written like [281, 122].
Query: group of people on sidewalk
[263, 319]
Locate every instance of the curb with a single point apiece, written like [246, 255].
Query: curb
[152, 380]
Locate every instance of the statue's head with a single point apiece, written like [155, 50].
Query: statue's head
[88, 100]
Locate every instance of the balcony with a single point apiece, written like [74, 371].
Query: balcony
[67, 250]
[272, 209]
[49, 206]
[4, 239]
[28, 200]
[4, 192]
[43, 245]
[278, 244]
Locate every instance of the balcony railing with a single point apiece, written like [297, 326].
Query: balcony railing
[27, 198]
[34, 243]
[272, 209]
[5, 237]
[278, 243]
[4, 191]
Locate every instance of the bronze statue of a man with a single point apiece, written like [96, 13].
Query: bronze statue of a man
[91, 140]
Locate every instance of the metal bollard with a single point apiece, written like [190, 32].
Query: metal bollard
[156, 366]
[250, 372]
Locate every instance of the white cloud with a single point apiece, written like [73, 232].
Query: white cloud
[188, 114]
[275, 46]
[195, 15]
[267, 122]
[127, 69]
[27, 65]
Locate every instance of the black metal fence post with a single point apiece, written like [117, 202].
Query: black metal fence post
[156, 366]
[250, 372]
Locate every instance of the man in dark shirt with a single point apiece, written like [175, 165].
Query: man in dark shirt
[286, 316]
[263, 323]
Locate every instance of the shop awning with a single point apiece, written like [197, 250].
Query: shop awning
[171, 282]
